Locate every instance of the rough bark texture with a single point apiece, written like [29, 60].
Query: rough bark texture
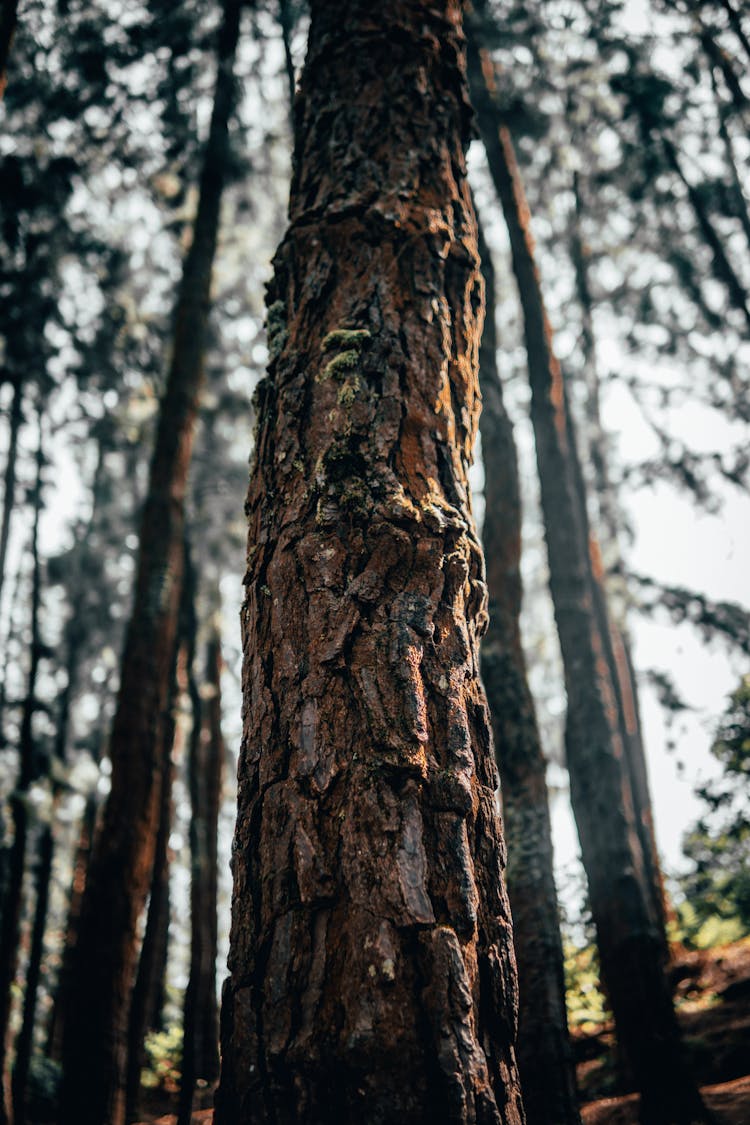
[27, 773]
[205, 768]
[544, 1054]
[95, 1027]
[630, 945]
[372, 970]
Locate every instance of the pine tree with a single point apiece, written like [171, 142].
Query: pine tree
[371, 962]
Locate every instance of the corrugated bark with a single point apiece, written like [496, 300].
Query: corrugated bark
[544, 1054]
[95, 1027]
[372, 970]
[630, 943]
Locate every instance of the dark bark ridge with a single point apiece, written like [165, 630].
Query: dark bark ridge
[372, 973]
[545, 1058]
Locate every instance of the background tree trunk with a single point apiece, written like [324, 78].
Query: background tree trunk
[149, 978]
[630, 944]
[95, 1026]
[544, 1054]
[9, 494]
[200, 1051]
[27, 753]
[372, 970]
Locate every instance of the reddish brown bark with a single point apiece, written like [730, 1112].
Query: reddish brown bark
[200, 1056]
[630, 944]
[372, 972]
[95, 1027]
[544, 1055]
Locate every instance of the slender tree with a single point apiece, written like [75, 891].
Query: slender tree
[200, 1053]
[9, 493]
[631, 945]
[372, 973]
[27, 774]
[95, 1026]
[151, 962]
[544, 1053]
[8, 16]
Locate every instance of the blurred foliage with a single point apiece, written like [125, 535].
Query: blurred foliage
[587, 1006]
[163, 1059]
[716, 906]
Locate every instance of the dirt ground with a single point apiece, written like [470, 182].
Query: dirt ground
[712, 990]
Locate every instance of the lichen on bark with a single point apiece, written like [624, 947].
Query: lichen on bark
[372, 973]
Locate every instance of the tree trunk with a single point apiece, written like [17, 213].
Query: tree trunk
[372, 970]
[8, 16]
[9, 495]
[613, 634]
[95, 1032]
[25, 1041]
[630, 946]
[149, 978]
[63, 992]
[11, 920]
[544, 1054]
[200, 1054]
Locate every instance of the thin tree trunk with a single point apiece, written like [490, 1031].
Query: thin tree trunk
[63, 994]
[95, 1032]
[9, 495]
[287, 23]
[75, 636]
[148, 981]
[544, 1054]
[25, 1041]
[372, 970]
[631, 949]
[200, 1054]
[8, 17]
[613, 634]
[11, 920]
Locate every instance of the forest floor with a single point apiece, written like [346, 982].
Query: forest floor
[712, 990]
